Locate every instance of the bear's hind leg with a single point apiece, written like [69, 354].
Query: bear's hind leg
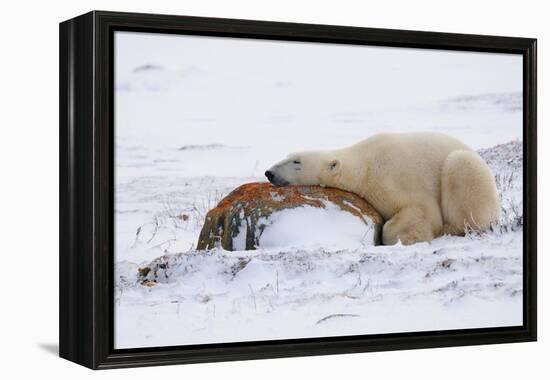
[413, 224]
[469, 195]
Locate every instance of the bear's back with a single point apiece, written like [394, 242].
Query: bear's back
[410, 164]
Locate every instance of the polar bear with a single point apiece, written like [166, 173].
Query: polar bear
[423, 184]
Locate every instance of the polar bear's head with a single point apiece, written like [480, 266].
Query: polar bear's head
[305, 168]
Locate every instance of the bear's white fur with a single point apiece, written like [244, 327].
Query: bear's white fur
[423, 184]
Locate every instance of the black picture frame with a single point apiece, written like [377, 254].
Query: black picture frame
[86, 189]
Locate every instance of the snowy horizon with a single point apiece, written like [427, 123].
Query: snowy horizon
[238, 91]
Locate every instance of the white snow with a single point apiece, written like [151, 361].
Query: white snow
[239, 241]
[277, 197]
[314, 227]
[196, 117]
[452, 283]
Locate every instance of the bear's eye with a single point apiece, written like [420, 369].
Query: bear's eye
[297, 162]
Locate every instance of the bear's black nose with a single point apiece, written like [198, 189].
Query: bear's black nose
[269, 175]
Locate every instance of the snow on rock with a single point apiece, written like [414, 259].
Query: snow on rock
[314, 227]
[261, 215]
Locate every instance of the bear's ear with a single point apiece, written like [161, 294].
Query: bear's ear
[333, 166]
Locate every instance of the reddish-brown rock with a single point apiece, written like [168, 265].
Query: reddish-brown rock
[252, 202]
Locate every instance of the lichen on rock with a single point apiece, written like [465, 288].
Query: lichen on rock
[238, 221]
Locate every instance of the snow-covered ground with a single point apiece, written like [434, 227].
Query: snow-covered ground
[196, 117]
